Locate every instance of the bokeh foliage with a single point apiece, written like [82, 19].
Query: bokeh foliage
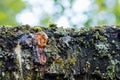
[8, 11]
[114, 9]
[100, 12]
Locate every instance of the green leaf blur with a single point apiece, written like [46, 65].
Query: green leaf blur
[100, 12]
[8, 11]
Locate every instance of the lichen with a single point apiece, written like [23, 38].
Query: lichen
[102, 47]
[90, 52]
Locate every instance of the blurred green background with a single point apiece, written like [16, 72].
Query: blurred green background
[68, 13]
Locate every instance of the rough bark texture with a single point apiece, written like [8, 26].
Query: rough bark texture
[85, 54]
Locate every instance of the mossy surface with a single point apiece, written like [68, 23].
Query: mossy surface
[91, 53]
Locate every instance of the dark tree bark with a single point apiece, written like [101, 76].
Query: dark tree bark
[85, 54]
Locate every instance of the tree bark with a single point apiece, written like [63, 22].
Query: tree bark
[80, 54]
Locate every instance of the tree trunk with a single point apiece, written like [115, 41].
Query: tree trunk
[72, 54]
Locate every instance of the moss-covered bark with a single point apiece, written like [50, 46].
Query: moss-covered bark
[85, 54]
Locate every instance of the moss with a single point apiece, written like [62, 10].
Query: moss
[98, 28]
[111, 70]
[81, 40]
[52, 25]
[117, 70]
[0, 64]
[68, 55]
[82, 31]
[37, 29]
[102, 38]
[72, 61]
[97, 35]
